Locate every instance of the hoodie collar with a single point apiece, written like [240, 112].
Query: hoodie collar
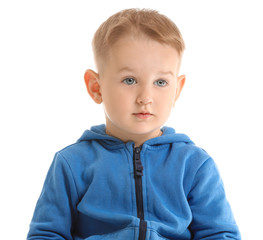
[98, 133]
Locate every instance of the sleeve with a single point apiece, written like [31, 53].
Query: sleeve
[212, 215]
[55, 210]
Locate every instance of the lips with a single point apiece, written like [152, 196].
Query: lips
[143, 115]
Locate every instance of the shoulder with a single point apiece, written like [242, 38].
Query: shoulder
[75, 162]
[77, 154]
[190, 153]
[191, 159]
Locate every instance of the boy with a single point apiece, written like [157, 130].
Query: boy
[131, 178]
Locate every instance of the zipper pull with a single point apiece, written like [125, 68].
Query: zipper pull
[137, 162]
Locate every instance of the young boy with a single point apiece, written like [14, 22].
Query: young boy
[133, 178]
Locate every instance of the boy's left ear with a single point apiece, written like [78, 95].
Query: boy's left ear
[92, 84]
[179, 87]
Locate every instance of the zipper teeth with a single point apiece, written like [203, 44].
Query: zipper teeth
[143, 227]
[138, 173]
[139, 198]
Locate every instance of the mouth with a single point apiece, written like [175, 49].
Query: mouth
[143, 115]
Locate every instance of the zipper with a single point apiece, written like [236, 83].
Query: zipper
[138, 173]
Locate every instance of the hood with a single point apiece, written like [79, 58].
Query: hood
[98, 133]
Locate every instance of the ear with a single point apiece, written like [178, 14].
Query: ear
[179, 87]
[92, 84]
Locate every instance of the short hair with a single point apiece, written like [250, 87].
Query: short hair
[135, 21]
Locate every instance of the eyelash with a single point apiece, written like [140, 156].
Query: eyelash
[126, 79]
[155, 83]
[162, 81]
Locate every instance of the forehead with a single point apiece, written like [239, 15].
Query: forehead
[141, 52]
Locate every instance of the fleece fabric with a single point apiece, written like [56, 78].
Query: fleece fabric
[89, 192]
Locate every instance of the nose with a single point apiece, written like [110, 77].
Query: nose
[144, 101]
[144, 97]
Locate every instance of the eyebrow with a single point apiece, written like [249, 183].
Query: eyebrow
[128, 69]
[166, 73]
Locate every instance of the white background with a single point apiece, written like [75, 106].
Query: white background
[45, 48]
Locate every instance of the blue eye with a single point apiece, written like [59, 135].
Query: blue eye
[129, 81]
[160, 83]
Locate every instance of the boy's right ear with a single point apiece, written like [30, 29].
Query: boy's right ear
[92, 84]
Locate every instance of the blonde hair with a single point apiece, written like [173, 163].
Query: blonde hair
[145, 22]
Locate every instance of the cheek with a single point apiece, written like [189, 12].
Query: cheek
[115, 101]
[165, 101]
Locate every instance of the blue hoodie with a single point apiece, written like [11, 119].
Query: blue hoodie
[102, 188]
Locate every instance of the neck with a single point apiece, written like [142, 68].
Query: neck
[138, 139]
[139, 142]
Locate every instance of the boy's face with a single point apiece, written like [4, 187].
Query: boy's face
[139, 87]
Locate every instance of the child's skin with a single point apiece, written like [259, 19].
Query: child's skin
[138, 87]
